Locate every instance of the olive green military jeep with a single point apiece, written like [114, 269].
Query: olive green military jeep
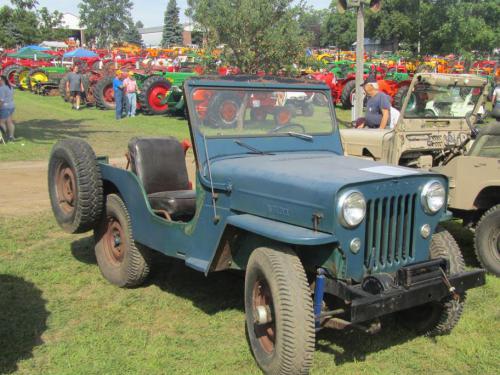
[474, 194]
[435, 131]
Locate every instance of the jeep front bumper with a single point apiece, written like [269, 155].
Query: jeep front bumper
[413, 285]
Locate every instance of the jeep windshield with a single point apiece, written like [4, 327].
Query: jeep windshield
[427, 100]
[235, 113]
[487, 146]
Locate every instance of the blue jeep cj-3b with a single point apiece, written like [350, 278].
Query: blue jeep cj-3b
[325, 240]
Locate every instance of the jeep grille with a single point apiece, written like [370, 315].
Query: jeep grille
[389, 231]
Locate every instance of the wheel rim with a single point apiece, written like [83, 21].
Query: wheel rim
[66, 188]
[23, 79]
[12, 78]
[114, 246]
[228, 111]
[157, 96]
[108, 94]
[284, 117]
[38, 77]
[265, 333]
[494, 242]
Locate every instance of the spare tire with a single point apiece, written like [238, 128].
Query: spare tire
[155, 90]
[75, 186]
[104, 94]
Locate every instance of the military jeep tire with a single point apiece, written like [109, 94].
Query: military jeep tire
[438, 318]
[121, 261]
[487, 240]
[279, 312]
[75, 185]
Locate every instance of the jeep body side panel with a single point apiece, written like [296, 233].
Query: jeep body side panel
[469, 175]
[366, 142]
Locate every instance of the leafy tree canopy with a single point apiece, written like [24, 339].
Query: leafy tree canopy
[256, 34]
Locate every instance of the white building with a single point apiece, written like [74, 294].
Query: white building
[151, 36]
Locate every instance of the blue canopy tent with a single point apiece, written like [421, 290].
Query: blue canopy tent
[79, 53]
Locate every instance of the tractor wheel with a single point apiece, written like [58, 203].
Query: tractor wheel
[121, 261]
[400, 97]
[279, 311]
[438, 318]
[75, 185]
[348, 92]
[104, 94]
[62, 88]
[223, 110]
[258, 114]
[153, 96]
[308, 110]
[283, 116]
[21, 78]
[36, 75]
[87, 94]
[487, 240]
[10, 73]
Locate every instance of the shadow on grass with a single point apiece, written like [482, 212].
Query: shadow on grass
[83, 250]
[352, 345]
[225, 291]
[51, 130]
[23, 319]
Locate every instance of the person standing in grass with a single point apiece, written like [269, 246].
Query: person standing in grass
[74, 87]
[7, 108]
[118, 91]
[131, 89]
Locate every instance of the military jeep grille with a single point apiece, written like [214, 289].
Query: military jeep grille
[389, 231]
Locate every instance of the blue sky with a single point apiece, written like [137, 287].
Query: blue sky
[150, 12]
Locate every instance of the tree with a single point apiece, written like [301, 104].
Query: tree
[256, 34]
[105, 20]
[19, 25]
[311, 21]
[339, 29]
[132, 34]
[50, 25]
[172, 29]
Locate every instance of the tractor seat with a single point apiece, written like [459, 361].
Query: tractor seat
[160, 165]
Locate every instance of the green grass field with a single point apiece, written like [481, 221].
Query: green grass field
[59, 316]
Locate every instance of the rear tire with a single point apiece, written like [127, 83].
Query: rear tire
[438, 318]
[223, 110]
[276, 282]
[154, 91]
[104, 94]
[75, 185]
[487, 240]
[122, 262]
[62, 88]
[347, 93]
[10, 73]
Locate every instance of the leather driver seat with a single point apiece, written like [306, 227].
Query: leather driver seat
[160, 165]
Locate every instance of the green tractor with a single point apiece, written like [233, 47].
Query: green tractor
[45, 80]
[160, 92]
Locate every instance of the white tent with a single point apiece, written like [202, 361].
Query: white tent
[53, 44]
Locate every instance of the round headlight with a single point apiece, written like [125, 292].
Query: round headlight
[433, 197]
[352, 207]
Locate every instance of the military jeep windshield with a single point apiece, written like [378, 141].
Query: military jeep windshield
[228, 113]
[429, 100]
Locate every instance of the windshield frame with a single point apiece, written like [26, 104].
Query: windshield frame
[195, 125]
[411, 91]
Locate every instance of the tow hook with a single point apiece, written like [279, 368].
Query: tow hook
[450, 287]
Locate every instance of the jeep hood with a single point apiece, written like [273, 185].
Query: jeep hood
[294, 186]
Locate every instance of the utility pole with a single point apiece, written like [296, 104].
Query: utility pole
[359, 5]
[360, 59]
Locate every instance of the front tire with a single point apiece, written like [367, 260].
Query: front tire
[276, 285]
[122, 262]
[438, 318]
[487, 240]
